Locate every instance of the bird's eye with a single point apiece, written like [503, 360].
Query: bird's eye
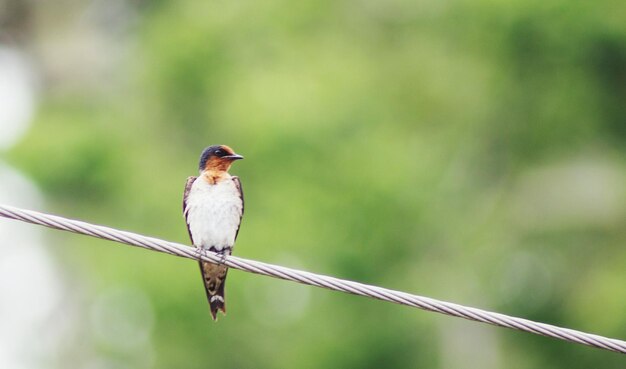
[219, 152]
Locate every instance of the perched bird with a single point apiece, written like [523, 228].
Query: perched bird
[213, 208]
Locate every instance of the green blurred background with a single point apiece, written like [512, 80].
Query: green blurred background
[467, 151]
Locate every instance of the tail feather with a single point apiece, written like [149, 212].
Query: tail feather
[214, 278]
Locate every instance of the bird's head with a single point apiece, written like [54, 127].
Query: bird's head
[217, 158]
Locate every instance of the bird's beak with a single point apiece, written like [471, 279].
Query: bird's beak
[233, 157]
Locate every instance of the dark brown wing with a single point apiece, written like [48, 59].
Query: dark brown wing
[238, 184]
[190, 181]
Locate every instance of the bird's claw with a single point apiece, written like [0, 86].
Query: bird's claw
[204, 252]
[201, 251]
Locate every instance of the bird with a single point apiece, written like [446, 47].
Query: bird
[213, 208]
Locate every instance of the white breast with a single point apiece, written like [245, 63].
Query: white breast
[214, 213]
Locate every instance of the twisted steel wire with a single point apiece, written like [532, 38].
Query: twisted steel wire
[318, 280]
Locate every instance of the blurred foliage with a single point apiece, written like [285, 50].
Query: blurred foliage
[469, 151]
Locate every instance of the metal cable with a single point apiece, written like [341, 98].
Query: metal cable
[303, 277]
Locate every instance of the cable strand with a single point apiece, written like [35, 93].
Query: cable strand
[312, 279]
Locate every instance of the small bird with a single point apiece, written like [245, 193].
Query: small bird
[213, 208]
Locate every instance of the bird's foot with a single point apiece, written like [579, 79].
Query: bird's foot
[201, 252]
[222, 258]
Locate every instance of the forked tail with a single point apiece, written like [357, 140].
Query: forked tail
[214, 278]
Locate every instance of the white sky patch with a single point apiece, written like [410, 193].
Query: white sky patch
[17, 96]
[30, 283]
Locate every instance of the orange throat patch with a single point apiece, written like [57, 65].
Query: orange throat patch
[215, 176]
